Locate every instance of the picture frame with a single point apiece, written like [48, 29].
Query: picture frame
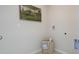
[29, 12]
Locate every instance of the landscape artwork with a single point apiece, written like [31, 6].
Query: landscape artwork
[29, 12]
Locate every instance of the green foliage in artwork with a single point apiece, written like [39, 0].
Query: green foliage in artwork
[34, 15]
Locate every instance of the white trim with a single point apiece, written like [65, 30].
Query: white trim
[57, 50]
[36, 52]
[61, 51]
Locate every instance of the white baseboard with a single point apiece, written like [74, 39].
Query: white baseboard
[57, 50]
[36, 52]
[61, 51]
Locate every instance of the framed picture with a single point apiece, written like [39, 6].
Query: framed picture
[29, 12]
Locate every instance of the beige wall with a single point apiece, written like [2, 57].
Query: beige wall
[65, 20]
[25, 36]
[21, 36]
